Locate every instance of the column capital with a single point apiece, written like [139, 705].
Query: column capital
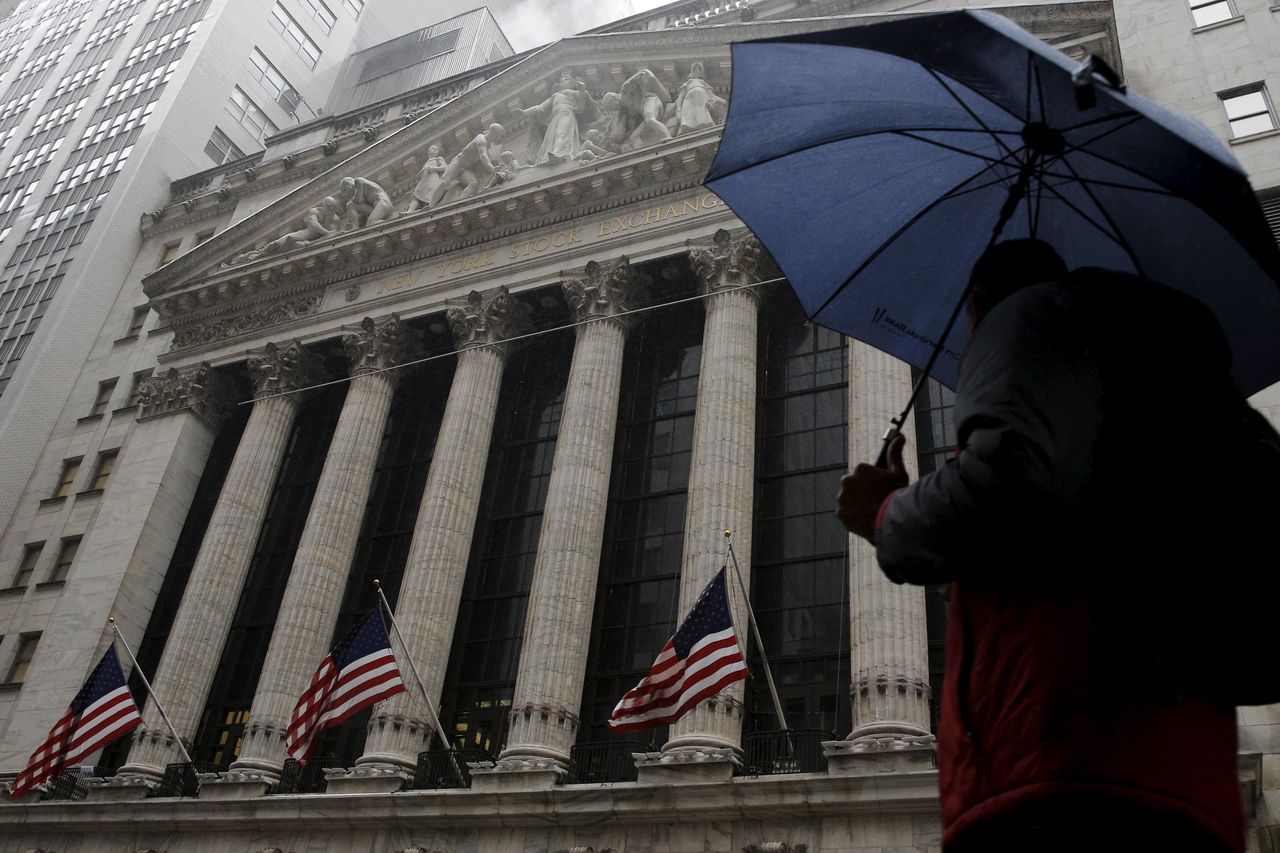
[379, 344]
[606, 290]
[484, 319]
[730, 259]
[279, 369]
[198, 389]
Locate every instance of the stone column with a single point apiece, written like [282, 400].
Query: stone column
[890, 655]
[431, 592]
[553, 657]
[200, 628]
[126, 550]
[318, 578]
[705, 743]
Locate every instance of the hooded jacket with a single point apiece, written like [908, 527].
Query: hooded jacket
[1043, 529]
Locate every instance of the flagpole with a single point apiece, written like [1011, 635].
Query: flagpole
[181, 747]
[755, 630]
[435, 720]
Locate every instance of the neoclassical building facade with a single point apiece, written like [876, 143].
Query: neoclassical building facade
[505, 356]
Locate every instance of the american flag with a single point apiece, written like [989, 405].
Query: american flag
[359, 672]
[101, 712]
[701, 659]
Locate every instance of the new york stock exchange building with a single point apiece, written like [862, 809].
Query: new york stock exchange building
[491, 344]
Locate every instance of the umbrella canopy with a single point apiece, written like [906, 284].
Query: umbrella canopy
[873, 162]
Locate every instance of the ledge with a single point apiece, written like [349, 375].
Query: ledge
[1266, 134]
[12, 589]
[87, 419]
[9, 687]
[53, 501]
[1228, 22]
[132, 407]
[127, 339]
[89, 493]
[50, 585]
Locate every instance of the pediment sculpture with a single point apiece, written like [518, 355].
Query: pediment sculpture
[357, 203]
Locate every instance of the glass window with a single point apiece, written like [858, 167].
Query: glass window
[26, 651]
[356, 6]
[70, 468]
[66, 556]
[136, 321]
[1248, 111]
[221, 149]
[200, 238]
[136, 387]
[1205, 12]
[169, 252]
[294, 36]
[321, 14]
[273, 82]
[250, 115]
[100, 403]
[30, 556]
[106, 461]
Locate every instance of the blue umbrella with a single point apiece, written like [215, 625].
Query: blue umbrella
[876, 163]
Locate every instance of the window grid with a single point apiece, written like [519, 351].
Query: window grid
[102, 471]
[66, 556]
[22, 659]
[1249, 111]
[1206, 12]
[103, 399]
[271, 80]
[250, 115]
[137, 319]
[26, 568]
[220, 149]
[355, 7]
[70, 468]
[294, 36]
[321, 14]
[489, 632]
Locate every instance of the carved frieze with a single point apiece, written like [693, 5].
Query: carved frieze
[379, 344]
[198, 389]
[281, 369]
[730, 260]
[606, 290]
[208, 332]
[485, 318]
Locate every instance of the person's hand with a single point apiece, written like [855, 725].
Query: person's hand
[863, 492]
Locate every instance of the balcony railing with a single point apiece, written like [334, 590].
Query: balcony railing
[306, 778]
[786, 751]
[69, 785]
[604, 761]
[446, 768]
[181, 780]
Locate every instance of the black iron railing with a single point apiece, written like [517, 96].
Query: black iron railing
[790, 751]
[446, 768]
[181, 780]
[306, 778]
[69, 785]
[604, 761]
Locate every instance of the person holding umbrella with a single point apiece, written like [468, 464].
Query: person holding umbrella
[1060, 728]
[956, 162]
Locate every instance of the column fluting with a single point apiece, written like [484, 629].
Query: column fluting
[200, 627]
[309, 610]
[722, 467]
[890, 654]
[435, 570]
[548, 692]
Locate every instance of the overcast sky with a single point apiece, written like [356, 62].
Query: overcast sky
[529, 23]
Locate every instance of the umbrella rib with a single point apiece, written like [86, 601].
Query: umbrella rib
[847, 137]
[902, 229]
[984, 157]
[1091, 122]
[1115, 227]
[1115, 238]
[973, 115]
[1075, 177]
[1079, 146]
[1039, 85]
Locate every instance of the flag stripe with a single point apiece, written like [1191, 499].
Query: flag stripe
[702, 658]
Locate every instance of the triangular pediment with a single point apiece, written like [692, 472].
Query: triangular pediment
[636, 117]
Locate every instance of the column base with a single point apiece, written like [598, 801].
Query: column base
[366, 779]
[119, 788]
[873, 755]
[687, 766]
[236, 785]
[519, 774]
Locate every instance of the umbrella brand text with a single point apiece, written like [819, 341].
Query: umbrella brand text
[881, 316]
